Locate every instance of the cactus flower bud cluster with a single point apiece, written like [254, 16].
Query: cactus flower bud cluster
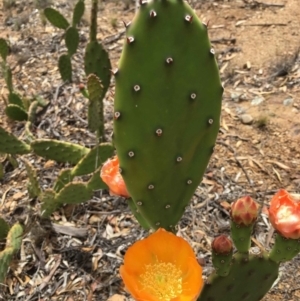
[284, 214]
[244, 211]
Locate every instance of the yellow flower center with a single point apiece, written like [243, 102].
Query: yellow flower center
[162, 280]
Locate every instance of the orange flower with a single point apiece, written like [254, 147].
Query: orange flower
[162, 267]
[111, 176]
[284, 214]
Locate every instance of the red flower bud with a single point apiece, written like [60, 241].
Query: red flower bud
[244, 211]
[111, 176]
[284, 214]
[222, 245]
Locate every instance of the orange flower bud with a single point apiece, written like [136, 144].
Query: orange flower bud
[160, 267]
[222, 245]
[111, 176]
[284, 214]
[244, 211]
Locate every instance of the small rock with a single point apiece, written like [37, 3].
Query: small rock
[246, 119]
[288, 101]
[235, 97]
[257, 101]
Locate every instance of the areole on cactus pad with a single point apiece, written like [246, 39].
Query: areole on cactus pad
[167, 109]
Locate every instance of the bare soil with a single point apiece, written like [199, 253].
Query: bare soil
[76, 254]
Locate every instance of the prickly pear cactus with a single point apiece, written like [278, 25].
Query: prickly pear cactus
[167, 108]
[12, 145]
[13, 244]
[250, 278]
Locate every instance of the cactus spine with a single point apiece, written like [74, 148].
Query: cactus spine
[168, 98]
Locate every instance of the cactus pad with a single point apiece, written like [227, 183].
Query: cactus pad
[250, 278]
[64, 177]
[16, 112]
[56, 18]
[168, 98]
[95, 105]
[13, 244]
[65, 67]
[90, 162]
[59, 151]
[96, 61]
[33, 185]
[72, 40]
[4, 49]
[4, 228]
[78, 12]
[95, 182]
[11, 144]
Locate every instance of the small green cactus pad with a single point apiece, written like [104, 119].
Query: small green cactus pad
[241, 236]
[56, 18]
[95, 182]
[4, 49]
[78, 12]
[32, 110]
[65, 67]
[96, 61]
[96, 157]
[7, 74]
[48, 202]
[12, 145]
[4, 228]
[95, 105]
[284, 249]
[16, 112]
[72, 40]
[72, 193]
[59, 151]
[167, 109]
[33, 185]
[13, 244]
[64, 177]
[15, 99]
[250, 278]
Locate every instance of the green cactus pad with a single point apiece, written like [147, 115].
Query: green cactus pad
[13, 244]
[4, 49]
[12, 145]
[49, 203]
[7, 76]
[96, 61]
[241, 236]
[33, 185]
[78, 12]
[56, 18]
[284, 249]
[65, 176]
[4, 228]
[167, 109]
[222, 263]
[65, 67]
[96, 157]
[16, 112]
[72, 40]
[32, 110]
[95, 105]
[59, 151]
[250, 278]
[15, 99]
[73, 193]
[95, 182]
